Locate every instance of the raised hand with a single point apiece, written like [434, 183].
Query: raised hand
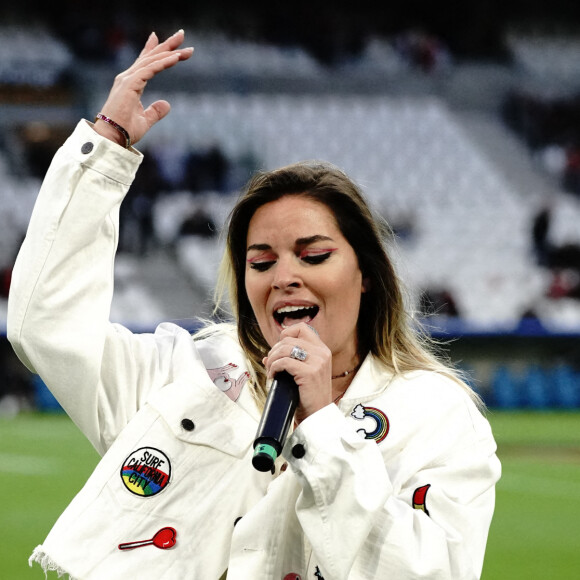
[123, 105]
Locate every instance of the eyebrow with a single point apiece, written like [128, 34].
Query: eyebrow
[299, 242]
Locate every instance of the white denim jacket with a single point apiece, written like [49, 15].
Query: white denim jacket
[395, 482]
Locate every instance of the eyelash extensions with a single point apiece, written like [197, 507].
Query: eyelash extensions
[309, 259]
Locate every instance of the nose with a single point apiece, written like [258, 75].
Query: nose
[286, 275]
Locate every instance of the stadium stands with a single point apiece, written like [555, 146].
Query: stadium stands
[32, 55]
[464, 228]
[414, 160]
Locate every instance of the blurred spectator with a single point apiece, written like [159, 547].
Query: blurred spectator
[206, 171]
[6, 270]
[565, 284]
[98, 39]
[5, 278]
[423, 51]
[562, 260]
[16, 392]
[40, 143]
[551, 127]
[199, 223]
[540, 240]
[543, 121]
[137, 233]
[565, 257]
[571, 176]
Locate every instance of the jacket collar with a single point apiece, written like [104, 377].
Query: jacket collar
[371, 380]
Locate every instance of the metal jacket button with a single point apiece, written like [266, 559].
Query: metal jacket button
[87, 148]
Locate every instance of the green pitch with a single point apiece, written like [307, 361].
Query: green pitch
[44, 462]
[535, 533]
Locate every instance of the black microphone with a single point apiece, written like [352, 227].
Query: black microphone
[276, 419]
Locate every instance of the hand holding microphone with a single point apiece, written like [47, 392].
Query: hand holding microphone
[300, 364]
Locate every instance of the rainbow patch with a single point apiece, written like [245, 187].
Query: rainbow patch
[146, 471]
[381, 422]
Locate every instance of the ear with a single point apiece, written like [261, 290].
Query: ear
[366, 285]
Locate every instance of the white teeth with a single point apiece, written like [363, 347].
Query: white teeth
[291, 309]
[287, 309]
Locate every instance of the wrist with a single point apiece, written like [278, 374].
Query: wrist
[112, 131]
[108, 132]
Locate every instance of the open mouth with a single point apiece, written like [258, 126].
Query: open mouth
[289, 315]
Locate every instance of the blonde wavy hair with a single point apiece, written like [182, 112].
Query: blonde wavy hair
[385, 327]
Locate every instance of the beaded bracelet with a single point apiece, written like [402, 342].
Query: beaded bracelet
[117, 126]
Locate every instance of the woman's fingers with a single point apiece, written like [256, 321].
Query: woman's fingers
[170, 43]
[139, 74]
[157, 57]
[147, 67]
[317, 359]
[124, 102]
[157, 63]
[151, 43]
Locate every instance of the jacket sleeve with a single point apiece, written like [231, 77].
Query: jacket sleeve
[62, 286]
[419, 508]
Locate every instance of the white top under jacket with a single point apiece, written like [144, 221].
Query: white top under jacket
[395, 482]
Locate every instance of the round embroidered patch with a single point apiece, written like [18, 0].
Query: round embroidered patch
[146, 471]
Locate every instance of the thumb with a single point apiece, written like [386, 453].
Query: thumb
[156, 111]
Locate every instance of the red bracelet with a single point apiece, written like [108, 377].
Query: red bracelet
[117, 126]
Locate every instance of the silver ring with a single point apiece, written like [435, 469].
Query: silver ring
[298, 353]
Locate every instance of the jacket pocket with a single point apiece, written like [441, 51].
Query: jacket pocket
[198, 413]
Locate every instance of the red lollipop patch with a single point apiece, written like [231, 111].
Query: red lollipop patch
[163, 539]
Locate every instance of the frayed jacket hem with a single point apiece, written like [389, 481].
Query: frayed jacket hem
[47, 563]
